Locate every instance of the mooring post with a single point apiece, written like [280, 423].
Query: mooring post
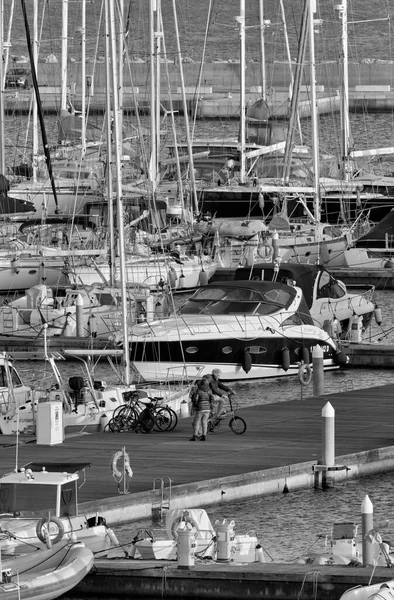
[367, 527]
[318, 371]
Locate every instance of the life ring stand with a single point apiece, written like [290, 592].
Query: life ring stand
[175, 525]
[116, 473]
[42, 530]
[304, 374]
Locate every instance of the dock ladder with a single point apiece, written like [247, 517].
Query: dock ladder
[161, 497]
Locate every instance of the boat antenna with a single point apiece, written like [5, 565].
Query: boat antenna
[39, 105]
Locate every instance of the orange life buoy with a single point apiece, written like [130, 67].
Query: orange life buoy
[43, 530]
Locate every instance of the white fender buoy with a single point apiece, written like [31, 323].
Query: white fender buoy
[305, 355]
[378, 315]
[203, 279]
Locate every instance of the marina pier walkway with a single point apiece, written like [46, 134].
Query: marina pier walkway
[282, 444]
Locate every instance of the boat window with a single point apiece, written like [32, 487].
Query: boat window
[106, 298]
[256, 350]
[293, 319]
[213, 301]
[328, 287]
[15, 379]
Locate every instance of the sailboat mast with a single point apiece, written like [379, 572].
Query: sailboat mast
[345, 125]
[153, 98]
[83, 76]
[118, 187]
[64, 76]
[2, 148]
[314, 115]
[242, 66]
[263, 76]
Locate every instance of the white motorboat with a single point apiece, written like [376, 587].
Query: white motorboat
[161, 544]
[342, 311]
[82, 404]
[39, 502]
[247, 329]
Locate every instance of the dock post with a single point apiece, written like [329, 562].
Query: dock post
[367, 527]
[318, 371]
[328, 441]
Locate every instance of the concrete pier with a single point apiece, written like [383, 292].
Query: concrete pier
[371, 87]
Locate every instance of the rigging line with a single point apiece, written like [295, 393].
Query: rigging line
[39, 105]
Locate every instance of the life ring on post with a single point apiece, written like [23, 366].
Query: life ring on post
[114, 464]
[43, 530]
[304, 374]
[176, 523]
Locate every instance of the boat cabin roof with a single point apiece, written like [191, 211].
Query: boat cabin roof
[38, 478]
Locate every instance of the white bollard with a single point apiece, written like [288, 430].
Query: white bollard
[328, 435]
[185, 546]
[366, 527]
[318, 371]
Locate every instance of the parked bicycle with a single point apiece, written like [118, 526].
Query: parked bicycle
[144, 417]
[237, 424]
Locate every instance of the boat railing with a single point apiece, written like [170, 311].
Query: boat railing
[238, 323]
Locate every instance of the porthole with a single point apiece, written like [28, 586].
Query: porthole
[32, 272]
[192, 350]
[227, 350]
[256, 350]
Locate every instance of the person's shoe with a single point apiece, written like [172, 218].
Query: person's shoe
[193, 439]
[202, 438]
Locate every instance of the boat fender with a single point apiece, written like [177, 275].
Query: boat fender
[305, 355]
[42, 529]
[246, 361]
[336, 327]
[15, 264]
[341, 358]
[378, 315]
[285, 359]
[304, 374]
[203, 279]
[185, 519]
[114, 464]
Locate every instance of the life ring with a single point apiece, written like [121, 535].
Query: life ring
[265, 251]
[304, 374]
[175, 525]
[42, 530]
[114, 464]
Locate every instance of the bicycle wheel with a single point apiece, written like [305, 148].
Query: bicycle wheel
[166, 419]
[125, 420]
[237, 425]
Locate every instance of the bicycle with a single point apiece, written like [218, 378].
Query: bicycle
[142, 416]
[237, 424]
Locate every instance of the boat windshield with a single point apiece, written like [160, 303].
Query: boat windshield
[214, 301]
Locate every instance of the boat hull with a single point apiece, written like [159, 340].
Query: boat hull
[46, 574]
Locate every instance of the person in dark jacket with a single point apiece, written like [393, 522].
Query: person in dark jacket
[220, 391]
[203, 407]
